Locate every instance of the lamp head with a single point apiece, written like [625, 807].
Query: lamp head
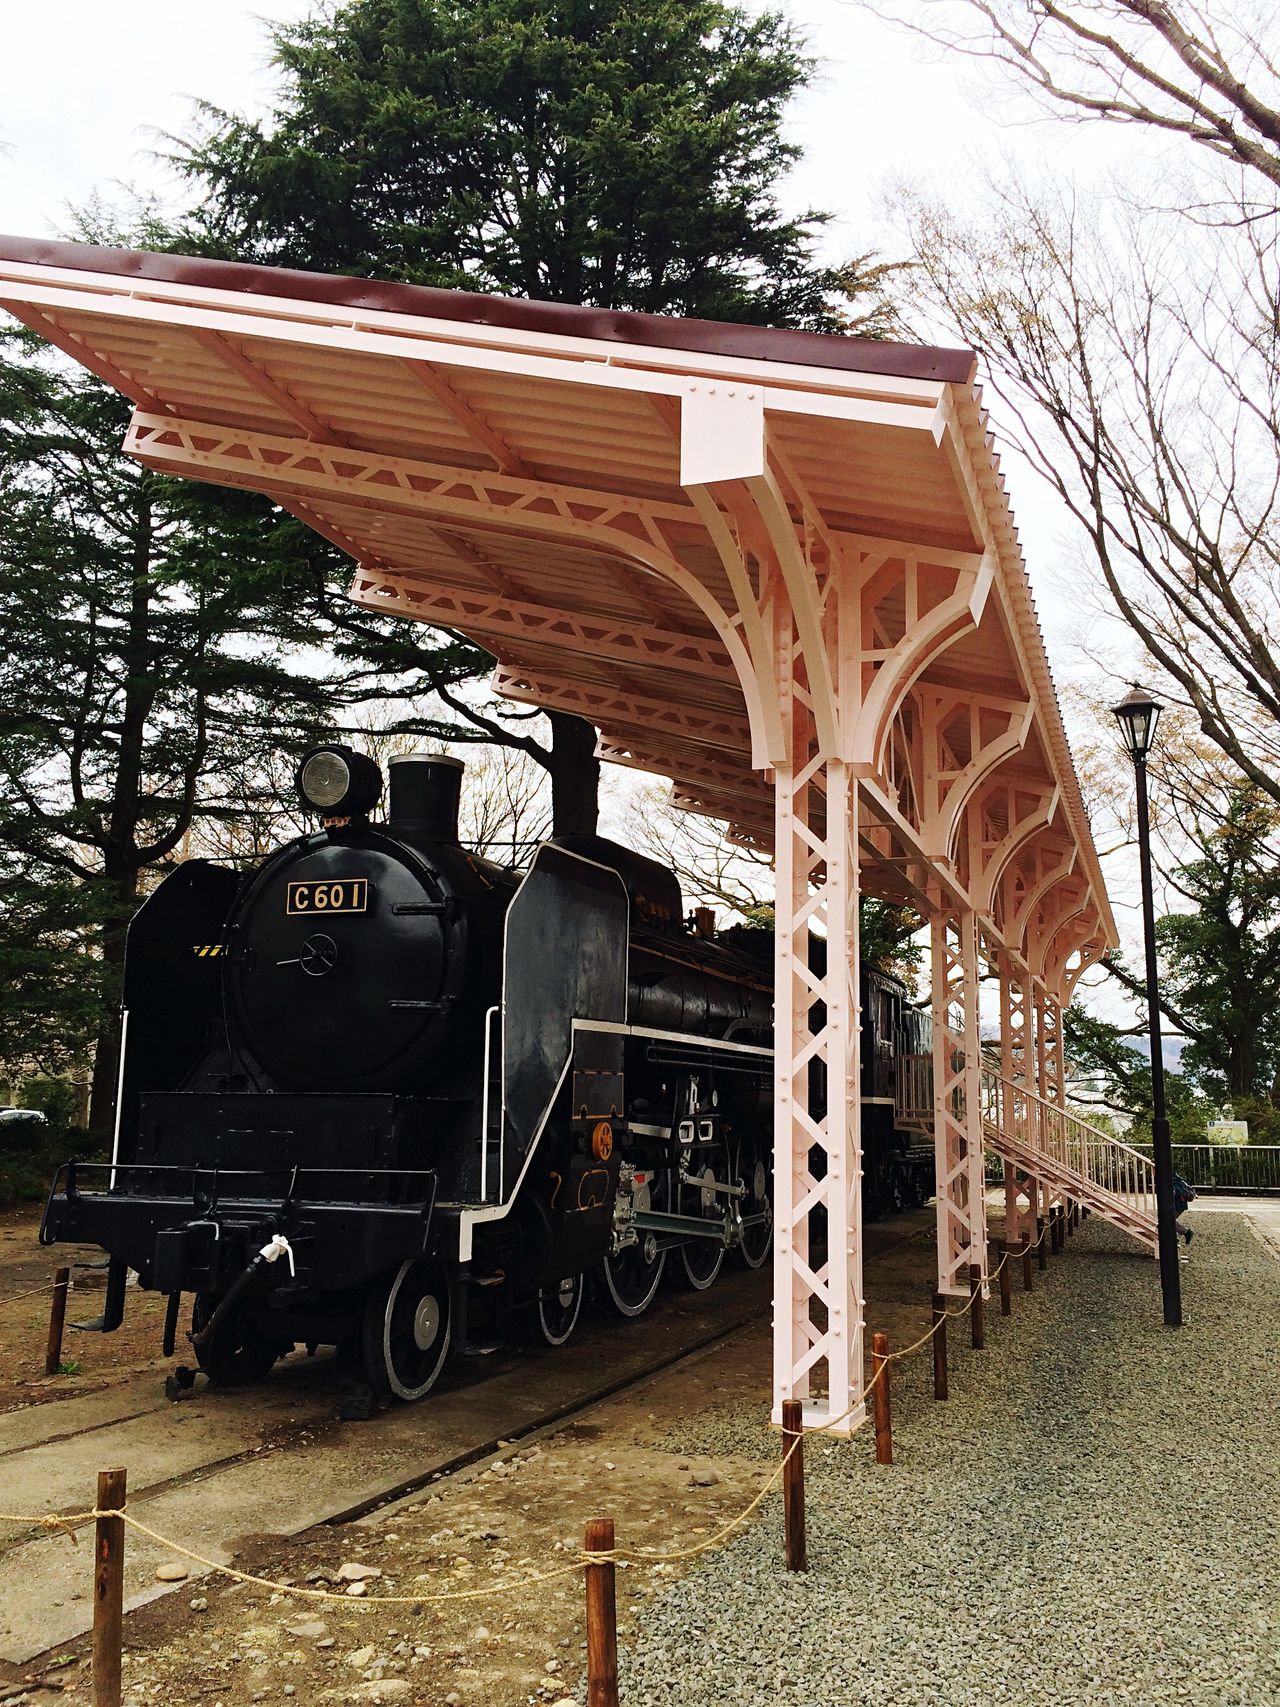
[338, 783]
[1138, 714]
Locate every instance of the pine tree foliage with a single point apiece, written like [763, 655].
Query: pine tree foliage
[1220, 949]
[627, 154]
[623, 154]
[154, 647]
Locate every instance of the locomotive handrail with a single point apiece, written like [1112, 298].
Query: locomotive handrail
[492, 1033]
[913, 1092]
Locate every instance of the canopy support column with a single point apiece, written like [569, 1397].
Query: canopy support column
[1052, 1060]
[818, 1305]
[1015, 1026]
[1053, 1082]
[957, 1121]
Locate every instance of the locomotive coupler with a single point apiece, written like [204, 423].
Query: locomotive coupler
[277, 1246]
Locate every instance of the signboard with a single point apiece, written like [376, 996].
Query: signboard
[1228, 1132]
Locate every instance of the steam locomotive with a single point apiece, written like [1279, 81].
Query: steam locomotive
[384, 1094]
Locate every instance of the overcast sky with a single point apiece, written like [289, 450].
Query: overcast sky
[87, 86]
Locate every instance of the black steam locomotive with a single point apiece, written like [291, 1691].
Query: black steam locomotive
[383, 1094]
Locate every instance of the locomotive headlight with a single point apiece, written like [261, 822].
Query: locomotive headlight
[324, 780]
[339, 782]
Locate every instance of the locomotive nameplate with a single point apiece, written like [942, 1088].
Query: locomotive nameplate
[336, 895]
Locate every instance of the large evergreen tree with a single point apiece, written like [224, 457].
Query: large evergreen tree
[150, 626]
[1220, 948]
[626, 154]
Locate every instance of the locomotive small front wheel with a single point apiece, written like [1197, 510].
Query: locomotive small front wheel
[237, 1352]
[559, 1307]
[407, 1330]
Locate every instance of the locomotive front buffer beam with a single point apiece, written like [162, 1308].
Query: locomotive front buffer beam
[197, 1247]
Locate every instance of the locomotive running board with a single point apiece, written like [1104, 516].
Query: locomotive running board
[689, 1039]
[472, 1215]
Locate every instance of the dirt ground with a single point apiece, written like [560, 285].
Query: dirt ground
[90, 1361]
[516, 1517]
[492, 1528]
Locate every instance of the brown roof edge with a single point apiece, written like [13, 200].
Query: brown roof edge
[655, 331]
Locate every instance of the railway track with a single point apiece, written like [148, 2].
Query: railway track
[223, 1466]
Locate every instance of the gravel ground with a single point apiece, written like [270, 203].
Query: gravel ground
[1093, 1517]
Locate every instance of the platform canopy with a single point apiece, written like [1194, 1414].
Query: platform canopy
[571, 489]
[777, 567]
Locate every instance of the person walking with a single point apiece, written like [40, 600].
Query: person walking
[1183, 1194]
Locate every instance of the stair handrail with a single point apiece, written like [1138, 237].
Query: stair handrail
[1047, 1128]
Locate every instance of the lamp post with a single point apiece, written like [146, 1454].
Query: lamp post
[1138, 714]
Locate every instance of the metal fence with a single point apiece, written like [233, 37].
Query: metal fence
[1208, 1167]
[1226, 1167]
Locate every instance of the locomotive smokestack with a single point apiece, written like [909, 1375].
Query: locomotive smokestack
[424, 793]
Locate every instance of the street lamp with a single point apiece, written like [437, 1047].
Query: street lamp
[1138, 714]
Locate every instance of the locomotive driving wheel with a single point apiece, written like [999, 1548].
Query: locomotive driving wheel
[702, 1259]
[407, 1330]
[753, 1165]
[633, 1274]
[559, 1307]
[237, 1352]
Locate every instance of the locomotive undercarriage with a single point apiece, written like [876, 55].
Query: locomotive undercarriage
[395, 1298]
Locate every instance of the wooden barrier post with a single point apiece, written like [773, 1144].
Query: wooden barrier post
[108, 1590]
[1055, 1228]
[1071, 1219]
[602, 1617]
[939, 1346]
[57, 1321]
[1042, 1255]
[793, 1538]
[977, 1327]
[1027, 1282]
[1006, 1280]
[880, 1398]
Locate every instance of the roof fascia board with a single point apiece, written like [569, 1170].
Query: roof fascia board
[957, 418]
[337, 297]
[460, 344]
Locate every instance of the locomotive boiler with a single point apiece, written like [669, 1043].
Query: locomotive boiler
[384, 1094]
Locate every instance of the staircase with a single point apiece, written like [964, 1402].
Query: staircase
[1044, 1141]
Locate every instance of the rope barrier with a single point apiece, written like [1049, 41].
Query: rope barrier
[49, 1286]
[67, 1523]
